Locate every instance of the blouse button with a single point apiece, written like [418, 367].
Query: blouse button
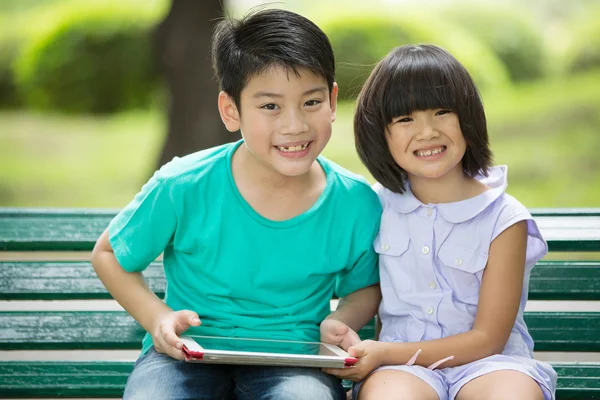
[425, 250]
[429, 310]
[385, 247]
[459, 261]
[429, 212]
[432, 285]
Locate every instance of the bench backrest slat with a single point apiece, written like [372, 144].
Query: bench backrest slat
[64, 280]
[72, 230]
[551, 331]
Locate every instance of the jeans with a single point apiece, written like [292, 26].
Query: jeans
[158, 376]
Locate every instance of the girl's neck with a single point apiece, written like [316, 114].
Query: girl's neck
[452, 187]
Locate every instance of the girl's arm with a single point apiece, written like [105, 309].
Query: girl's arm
[499, 300]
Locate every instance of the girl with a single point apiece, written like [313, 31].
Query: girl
[455, 250]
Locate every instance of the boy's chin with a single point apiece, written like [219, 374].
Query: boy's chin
[293, 168]
[294, 171]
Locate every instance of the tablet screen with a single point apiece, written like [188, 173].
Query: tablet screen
[264, 346]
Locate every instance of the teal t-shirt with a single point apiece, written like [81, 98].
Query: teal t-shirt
[245, 275]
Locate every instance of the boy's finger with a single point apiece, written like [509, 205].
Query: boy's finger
[171, 339]
[176, 354]
[186, 318]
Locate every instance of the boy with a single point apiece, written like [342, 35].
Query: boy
[257, 235]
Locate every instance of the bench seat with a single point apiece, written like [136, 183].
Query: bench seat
[107, 379]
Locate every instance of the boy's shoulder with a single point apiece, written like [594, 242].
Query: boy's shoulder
[348, 181]
[349, 178]
[195, 165]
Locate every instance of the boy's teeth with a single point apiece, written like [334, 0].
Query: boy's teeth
[290, 149]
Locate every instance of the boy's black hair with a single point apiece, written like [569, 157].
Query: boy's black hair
[417, 78]
[266, 38]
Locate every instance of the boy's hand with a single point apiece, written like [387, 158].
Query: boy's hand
[168, 328]
[367, 353]
[338, 333]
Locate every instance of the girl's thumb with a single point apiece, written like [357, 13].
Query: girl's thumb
[356, 351]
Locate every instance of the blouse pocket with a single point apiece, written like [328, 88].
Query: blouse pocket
[464, 269]
[394, 261]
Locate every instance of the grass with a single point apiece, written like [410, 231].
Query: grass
[548, 133]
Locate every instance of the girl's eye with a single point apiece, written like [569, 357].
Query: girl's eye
[270, 106]
[312, 103]
[442, 112]
[404, 119]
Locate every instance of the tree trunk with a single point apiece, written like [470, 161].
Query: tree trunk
[183, 55]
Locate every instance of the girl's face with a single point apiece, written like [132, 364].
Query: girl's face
[427, 144]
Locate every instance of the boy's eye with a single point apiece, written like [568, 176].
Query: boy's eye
[311, 103]
[270, 106]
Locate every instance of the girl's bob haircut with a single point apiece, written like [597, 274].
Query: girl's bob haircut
[417, 78]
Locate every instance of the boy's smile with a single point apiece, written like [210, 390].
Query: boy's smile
[294, 150]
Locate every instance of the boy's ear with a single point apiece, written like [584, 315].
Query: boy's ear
[333, 101]
[229, 112]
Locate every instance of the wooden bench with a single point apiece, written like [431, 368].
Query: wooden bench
[43, 270]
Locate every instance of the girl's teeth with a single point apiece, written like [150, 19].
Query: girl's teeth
[290, 149]
[425, 153]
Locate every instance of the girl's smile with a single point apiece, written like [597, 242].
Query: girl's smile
[431, 153]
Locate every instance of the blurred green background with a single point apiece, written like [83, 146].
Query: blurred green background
[68, 144]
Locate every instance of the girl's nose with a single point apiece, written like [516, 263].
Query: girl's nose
[427, 131]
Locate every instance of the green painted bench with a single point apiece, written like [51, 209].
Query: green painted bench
[33, 271]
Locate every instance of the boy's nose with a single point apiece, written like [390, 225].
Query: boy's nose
[293, 123]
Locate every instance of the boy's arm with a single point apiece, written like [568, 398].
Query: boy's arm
[128, 288]
[358, 308]
[352, 313]
[133, 294]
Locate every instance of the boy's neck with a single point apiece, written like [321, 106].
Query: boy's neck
[271, 194]
[452, 187]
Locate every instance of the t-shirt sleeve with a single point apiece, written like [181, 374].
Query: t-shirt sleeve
[363, 268]
[144, 228]
[513, 212]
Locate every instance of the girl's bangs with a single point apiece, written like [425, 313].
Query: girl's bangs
[418, 88]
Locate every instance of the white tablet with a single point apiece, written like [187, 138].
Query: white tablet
[228, 350]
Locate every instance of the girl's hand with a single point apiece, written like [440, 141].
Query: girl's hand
[368, 356]
[169, 326]
[338, 333]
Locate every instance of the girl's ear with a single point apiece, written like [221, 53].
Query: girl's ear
[333, 101]
[229, 112]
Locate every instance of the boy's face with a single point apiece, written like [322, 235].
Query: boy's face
[285, 118]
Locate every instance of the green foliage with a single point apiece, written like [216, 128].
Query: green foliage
[90, 58]
[8, 53]
[359, 42]
[509, 32]
[584, 52]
